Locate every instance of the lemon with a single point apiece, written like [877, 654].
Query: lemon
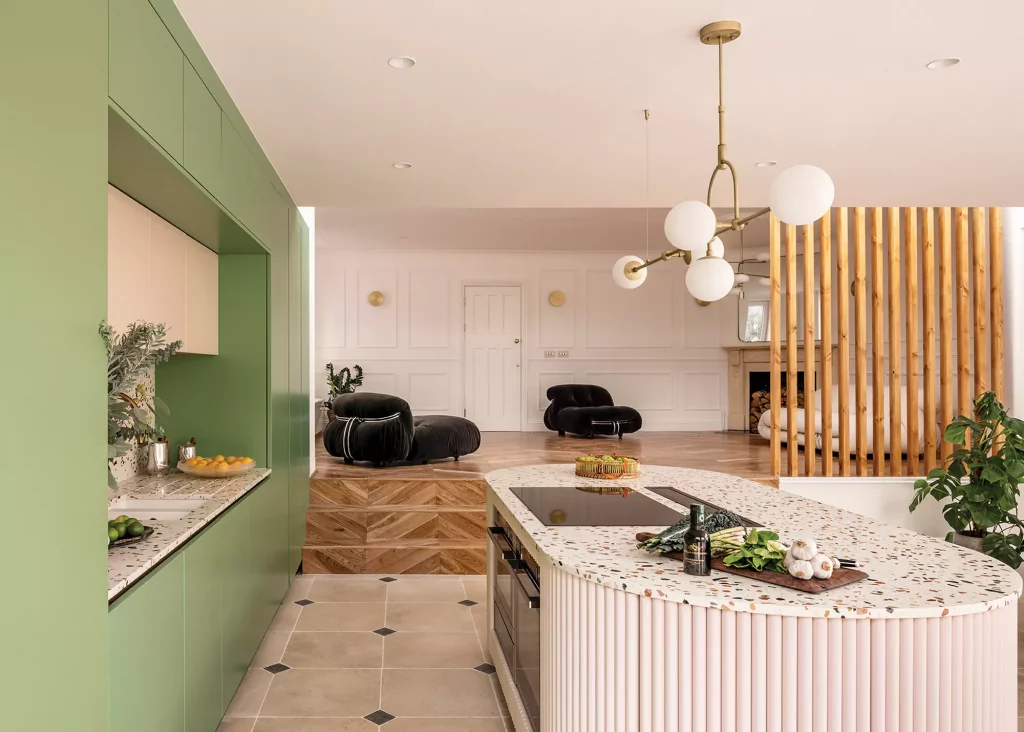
[246, 460]
[136, 529]
[219, 457]
[112, 534]
[121, 529]
[222, 466]
[231, 459]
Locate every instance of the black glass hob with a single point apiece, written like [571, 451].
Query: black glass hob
[597, 506]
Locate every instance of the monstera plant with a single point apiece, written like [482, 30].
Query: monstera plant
[980, 481]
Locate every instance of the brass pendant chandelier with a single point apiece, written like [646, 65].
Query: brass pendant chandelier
[800, 195]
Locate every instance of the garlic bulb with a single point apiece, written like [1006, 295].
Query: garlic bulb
[804, 549]
[788, 559]
[822, 566]
[801, 569]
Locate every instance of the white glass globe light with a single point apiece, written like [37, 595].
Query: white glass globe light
[710, 278]
[631, 280]
[690, 226]
[801, 195]
[717, 248]
[742, 278]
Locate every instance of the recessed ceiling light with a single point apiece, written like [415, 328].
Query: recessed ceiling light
[402, 166]
[943, 63]
[402, 62]
[767, 163]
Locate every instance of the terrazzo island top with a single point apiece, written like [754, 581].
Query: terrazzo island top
[128, 563]
[910, 574]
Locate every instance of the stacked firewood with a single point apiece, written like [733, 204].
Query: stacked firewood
[761, 402]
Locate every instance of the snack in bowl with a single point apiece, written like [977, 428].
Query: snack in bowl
[216, 467]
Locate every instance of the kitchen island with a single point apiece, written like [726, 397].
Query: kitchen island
[627, 641]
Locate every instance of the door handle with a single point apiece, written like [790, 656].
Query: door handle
[516, 340]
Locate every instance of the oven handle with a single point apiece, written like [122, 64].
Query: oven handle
[525, 583]
[497, 536]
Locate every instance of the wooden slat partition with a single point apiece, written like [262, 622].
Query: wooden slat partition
[895, 376]
[860, 338]
[980, 267]
[934, 385]
[843, 316]
[825, 268]
[928, 340]
[963, 317]
[809, 385]
[913, 343]
[877, 345]
[791, 347]
[995, 248]
[775, 339]
[945, 323]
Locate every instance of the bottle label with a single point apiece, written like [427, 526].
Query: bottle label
[696, 560]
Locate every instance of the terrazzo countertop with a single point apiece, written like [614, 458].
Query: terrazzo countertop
[909, 574]
[127, 564]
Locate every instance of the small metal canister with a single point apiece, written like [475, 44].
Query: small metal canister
[187, 451]
[159, 458]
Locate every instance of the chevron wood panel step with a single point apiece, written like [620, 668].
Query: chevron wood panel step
[401, 559]
[364, 492]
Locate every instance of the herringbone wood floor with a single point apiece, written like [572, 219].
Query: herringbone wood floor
[737, 453]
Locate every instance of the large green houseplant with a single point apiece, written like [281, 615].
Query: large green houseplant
[981, 480]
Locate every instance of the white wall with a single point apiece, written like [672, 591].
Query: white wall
[652, 347]
[308, 214]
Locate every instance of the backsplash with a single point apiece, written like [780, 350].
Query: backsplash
[134, 463]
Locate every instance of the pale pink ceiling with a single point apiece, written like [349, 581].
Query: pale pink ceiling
[538, 103]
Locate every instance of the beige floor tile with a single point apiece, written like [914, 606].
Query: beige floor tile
[499, 696]
[448, 617]
[299, 588]
[286, 617]
[342, 616]
[451, 724]
[250, 694]
[323, 693]
[236, 724]
[476, 588]
[312, 724]
[270, 649]
[334, 588]
[426, 590]
[432, 650]
[437, 693]
[334, 650]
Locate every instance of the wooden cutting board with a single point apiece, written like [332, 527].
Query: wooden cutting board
[840, 576]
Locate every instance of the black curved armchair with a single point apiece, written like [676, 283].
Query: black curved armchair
[588, 410]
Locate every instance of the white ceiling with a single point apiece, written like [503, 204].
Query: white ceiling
[538, 103]
[511, 229]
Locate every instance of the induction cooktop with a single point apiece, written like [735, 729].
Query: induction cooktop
[597, 506]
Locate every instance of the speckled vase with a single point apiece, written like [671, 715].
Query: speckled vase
[970, 542]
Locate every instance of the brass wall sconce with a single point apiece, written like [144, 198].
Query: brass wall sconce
[376, 298]
[557, 298]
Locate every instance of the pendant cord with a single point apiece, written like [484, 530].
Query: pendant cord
[647, 181]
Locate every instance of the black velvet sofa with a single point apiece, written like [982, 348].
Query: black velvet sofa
[588, 410]
[380, 429]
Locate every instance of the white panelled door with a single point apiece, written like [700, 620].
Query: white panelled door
[493, 358]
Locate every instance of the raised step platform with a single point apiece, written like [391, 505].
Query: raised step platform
[395, 526]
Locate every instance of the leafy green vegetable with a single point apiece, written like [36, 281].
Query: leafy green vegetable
[761, 552]
[671, 539]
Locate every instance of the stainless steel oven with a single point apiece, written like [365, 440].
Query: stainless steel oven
[517, 613]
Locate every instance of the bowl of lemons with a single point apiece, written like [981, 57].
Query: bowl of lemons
[126, 530]
[217, 467]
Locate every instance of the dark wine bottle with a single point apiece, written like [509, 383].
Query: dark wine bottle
[697, 544]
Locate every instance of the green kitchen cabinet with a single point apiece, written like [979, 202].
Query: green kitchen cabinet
[235, 597]
[268, 552]
[298, 376]
[146, 73]
[202, 133]
[147, 658]
[236, 169]
[204, 691]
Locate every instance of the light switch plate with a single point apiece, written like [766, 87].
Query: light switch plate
[563, 354]
[549, 354]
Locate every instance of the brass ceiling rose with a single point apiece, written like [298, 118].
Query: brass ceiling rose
[723, 30]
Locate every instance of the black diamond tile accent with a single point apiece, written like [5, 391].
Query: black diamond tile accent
[468, 603]
[384, 631]
[485, 668]
[388, 579]
[304, 602]
[379, 717]
[277, 668]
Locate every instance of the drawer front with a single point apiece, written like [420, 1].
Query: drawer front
[503, 630]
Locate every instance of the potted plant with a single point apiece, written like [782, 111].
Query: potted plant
[342, 382]
[131, 409]
[981, 481]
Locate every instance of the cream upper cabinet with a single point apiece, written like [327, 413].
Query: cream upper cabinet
[158, 273]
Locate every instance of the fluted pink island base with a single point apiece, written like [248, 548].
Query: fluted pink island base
[619, 662]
